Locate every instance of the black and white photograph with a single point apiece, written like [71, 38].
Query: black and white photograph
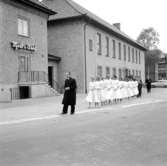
[83, 83]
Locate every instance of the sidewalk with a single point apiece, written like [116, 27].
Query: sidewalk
[50, 106]
[37, 107]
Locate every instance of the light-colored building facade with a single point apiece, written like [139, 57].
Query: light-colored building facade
[90, 47]
[161, 69]
[23, 49]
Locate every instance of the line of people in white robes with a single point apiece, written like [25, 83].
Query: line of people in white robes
[110, 90]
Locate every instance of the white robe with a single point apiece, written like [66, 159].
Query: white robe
[97, 92]
[91, 94]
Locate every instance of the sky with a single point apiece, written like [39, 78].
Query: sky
[134, 15]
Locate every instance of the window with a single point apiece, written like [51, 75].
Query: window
[99, 49]
[140, 74]
[136, 73]
[114, 53]
[120, 74]
[114, 72]
[124, 52]
[90, 45]
[107, 72]
[133, 55]
[107, 47]
[119, 47]
[139, 58]
[133, 73]
[99, 71]
[129, 54]
[136, 57]
[23, 27]
[24, 63]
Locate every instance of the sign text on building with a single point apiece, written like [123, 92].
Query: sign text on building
[28, 47]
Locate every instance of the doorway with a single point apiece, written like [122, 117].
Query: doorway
[24, 92]
[50, 75]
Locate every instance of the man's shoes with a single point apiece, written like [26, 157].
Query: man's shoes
[63, 113]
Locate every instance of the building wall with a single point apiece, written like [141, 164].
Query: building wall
[9, 63]
[93, 59]
[66, 40]
[8, 29]
[70, 41]
[1, 11]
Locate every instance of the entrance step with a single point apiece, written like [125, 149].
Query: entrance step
[51, 91]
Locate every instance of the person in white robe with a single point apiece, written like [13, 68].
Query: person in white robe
[91, 93]
[97, 92]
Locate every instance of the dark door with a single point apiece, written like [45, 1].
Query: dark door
[24, 92]
[50, 75]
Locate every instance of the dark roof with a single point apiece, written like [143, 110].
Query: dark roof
[78, 10]
[54, 58]
[37, 5]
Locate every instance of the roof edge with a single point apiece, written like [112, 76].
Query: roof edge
[88, 19]
[116, 33]
[37, 6]
[54, 58]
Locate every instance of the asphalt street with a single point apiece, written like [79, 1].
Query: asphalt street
[126, 135]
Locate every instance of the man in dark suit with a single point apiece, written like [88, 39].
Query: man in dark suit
[69, 97]
[148, 85]
[140, 84]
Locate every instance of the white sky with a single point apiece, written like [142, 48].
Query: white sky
[134, 15]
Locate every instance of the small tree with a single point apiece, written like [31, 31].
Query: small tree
[152, 57]
[149, 38]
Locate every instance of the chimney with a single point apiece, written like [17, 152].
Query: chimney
[117, 25]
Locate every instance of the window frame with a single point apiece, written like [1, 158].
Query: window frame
[120, 51]
[99, 68]
[114, 49]
[114, 71]
[107, 46]
[108, 72]
[133, 60]
[124, 47]
[136, 56]
[99, 43]
[90, 45]
[27, 20]
[129, 54]
[120, 73]
[139, 58]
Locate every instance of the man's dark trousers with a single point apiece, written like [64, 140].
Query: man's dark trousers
[65, 109]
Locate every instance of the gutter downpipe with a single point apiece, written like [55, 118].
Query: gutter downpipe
[85, 64]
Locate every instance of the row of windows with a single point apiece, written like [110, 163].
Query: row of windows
[120, 73]
[133, 54]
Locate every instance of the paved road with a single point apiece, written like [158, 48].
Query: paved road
[127, 135]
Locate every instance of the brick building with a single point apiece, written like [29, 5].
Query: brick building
[89, 46]
[23, 49]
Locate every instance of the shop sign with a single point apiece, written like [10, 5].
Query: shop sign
[21, 46]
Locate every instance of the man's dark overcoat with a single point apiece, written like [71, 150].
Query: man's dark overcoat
[148, 84]
[70, 95]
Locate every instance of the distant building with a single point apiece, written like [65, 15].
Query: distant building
[161, 68]
[23, 49]
[89, 46]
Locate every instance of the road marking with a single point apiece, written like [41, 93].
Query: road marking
[28, 120]
[12, 122]
[143, 103]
